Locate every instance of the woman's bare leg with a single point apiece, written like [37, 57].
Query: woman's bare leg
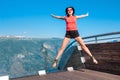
[84, 47]
[64, 44]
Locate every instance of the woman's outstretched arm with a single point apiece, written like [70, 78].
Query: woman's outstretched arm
[82, 16]
[58, 17]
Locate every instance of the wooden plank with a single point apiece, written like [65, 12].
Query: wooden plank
[74, 75]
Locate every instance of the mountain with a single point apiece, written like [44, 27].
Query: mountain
[26, 56]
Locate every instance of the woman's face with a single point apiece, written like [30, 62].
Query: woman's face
[70, 11]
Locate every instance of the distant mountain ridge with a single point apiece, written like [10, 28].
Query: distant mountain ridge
[21, 57]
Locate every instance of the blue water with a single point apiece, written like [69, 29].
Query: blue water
[24, 56]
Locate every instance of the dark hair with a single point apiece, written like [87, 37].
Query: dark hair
[66, 10]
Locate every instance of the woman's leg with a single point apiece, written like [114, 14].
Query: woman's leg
[64, 44]
[84, 47]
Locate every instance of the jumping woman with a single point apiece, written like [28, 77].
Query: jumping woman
[71, 33]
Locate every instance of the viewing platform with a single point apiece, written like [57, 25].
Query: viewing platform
[32, 59]
[83, 74]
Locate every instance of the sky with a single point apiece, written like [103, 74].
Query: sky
[32, 18]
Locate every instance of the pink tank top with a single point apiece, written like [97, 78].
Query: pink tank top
[70, 23]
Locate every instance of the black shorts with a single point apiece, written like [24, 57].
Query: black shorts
[72, 34]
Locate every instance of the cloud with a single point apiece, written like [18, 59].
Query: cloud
[25, 32]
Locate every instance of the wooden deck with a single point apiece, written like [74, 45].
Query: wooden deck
[74, 75]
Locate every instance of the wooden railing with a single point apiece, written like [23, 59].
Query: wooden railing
[113, 36]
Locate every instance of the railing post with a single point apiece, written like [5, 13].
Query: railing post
[95, 39]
